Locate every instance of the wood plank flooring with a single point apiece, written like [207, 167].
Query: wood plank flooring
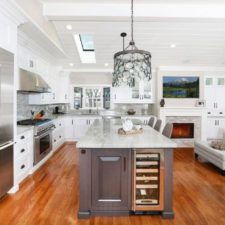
[51, 196]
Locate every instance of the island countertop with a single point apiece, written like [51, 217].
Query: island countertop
[104, 134]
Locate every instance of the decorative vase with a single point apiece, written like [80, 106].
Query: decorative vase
[162, 102]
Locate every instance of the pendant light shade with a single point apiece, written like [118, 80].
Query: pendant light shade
[131, 63]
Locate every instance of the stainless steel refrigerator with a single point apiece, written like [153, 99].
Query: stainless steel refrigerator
[6, 120]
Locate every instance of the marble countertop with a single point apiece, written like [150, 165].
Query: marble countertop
[100, 115]
[21, 129]
[103, 134]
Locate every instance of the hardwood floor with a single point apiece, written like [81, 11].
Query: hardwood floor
[50, 196]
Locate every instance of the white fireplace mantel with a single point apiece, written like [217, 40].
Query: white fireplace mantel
[200, 112]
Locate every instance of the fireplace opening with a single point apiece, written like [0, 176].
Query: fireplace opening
[183, 130]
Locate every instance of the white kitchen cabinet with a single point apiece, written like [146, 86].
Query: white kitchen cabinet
[8, 37]
[69, 128]
[92, 97]
[23, 156]
[121, 94]
[215, 127]
[81, 125]
[76, 127]
[214, 89]
[141, 93]
[58, 134]
[62, 92]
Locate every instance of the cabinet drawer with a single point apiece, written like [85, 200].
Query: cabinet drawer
[22, 150]
[23, 137]
[22, 168]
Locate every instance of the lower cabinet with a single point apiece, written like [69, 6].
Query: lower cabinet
[58, 134]
[23, 156]
[111, 179]
[76, 127]
[215, 127]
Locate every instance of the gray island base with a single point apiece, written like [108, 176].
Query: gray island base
[123, 175]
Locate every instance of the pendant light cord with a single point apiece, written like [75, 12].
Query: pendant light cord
[132, 21]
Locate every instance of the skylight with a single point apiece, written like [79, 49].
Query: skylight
[85, 47]
[87, 42]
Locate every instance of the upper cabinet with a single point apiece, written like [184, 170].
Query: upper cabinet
[8, 37]
[214, 88]
[141, 92]
[90, 97]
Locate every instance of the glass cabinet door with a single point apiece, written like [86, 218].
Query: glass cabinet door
[93, 98]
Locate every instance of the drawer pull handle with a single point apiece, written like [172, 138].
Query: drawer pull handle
[22, 150]
[22, 137]
[54, 140]
[22, 167]
[59, 136]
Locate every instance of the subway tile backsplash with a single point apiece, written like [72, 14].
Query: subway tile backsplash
[24, 109]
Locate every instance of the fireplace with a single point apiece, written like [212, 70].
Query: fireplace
[183, 131]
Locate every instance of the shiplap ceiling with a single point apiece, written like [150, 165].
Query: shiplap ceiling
[142, 1]
[198, 43]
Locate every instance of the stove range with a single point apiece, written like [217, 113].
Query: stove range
[42, 137]
[40, 125]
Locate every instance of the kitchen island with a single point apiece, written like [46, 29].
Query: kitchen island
[120, 175]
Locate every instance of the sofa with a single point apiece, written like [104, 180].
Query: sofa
[216, 157]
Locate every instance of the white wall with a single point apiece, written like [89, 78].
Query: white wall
[172, 102]
[184, 71]
[91, 78]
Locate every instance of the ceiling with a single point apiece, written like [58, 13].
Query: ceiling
[142, 1]
[198, 42]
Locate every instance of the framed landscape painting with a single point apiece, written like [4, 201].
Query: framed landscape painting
[180, 87]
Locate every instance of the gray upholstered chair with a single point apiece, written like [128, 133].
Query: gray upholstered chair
[151, 121]
[167, 130]
[158, 124]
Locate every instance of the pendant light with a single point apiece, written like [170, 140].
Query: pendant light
[131, 63]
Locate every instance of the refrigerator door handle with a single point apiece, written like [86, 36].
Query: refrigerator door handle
[5, 145]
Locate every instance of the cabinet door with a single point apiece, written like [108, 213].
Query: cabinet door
[221, 127]
[111, 179]
[215, 127]
[219, 92]
[210, 92]
[69, 128]
[80, 127]
[121, 95]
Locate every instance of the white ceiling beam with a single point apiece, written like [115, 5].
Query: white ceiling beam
[88, 70]
[84, 11]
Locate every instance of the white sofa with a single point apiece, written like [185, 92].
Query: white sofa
[216, 157]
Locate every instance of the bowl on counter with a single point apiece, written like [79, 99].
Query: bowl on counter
[131, 112]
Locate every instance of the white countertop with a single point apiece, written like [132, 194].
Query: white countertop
[103, 134]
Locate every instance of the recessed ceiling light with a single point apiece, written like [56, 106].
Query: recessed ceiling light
[71, 64]
[106, 64]
[69, 27]
[173, 46]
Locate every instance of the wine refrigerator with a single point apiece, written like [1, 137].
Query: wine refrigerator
[148, 180]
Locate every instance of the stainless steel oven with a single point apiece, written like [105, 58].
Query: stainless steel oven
[42, 145]
[42, 136]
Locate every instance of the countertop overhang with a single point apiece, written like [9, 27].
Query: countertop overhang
[104, 134]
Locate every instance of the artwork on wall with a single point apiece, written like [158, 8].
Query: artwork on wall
[180, 87]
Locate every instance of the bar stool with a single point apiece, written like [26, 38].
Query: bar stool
[158, 124]
[167, 130]
[151, 121]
